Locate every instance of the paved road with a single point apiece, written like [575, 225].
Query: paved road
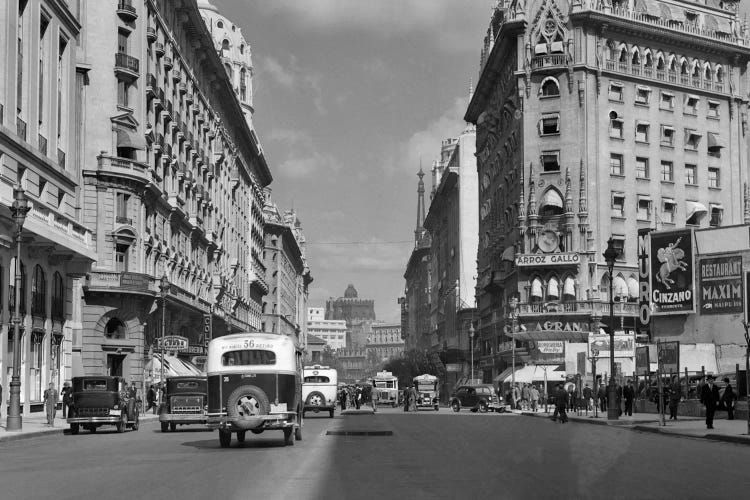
[429, 455]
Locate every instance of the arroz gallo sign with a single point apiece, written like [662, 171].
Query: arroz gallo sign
[547, 259]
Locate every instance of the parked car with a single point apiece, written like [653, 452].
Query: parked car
[184, 402]
[476, 397]
[254, 384]
[101, 400]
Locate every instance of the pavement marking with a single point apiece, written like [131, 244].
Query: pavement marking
[359, 433]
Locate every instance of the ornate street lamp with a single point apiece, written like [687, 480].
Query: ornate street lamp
[746, 326]
[164, 288]
[610, 254]
[18, 210]
[514, 318]
[471, 348]
[594, 387]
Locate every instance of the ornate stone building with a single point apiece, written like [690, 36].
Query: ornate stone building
[595, 119]
[39, 137]
[384, 342]
[173, 180]
[358, 314]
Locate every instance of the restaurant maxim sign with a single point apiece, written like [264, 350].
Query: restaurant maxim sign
[721, 285]
[547, 259]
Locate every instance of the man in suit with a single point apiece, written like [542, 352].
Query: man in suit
[629, 393]
[710, 399]
[50, 403]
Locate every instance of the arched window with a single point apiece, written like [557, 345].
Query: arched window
[707, 72]
[604, 288]
[623, 54]
[38, 293]
[569, 289]
[58, 297]
[696, 72]
[673, 64]
[550, 87]
[684, 67]
[660, 63]
[553, 289]
[620, 288]
[636, 59]
[632, 289]
[242, 48]
[536, 290]
[719, 74]
[115, 329]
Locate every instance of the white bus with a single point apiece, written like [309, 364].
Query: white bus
[386, 386]
[319, 387]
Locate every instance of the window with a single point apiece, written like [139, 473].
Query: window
[713, 109]
[618, 243]
[667, 136]
[551, 161]
[123, 93]
[618, 205]
[667, 101]
[692, 139]
[615, 164]
[641, 168]
[615, 92]
[713, 177]
[691, 105]
[642, 95]
[615, 126]
[690, 171]
[641, 132]
[122, 206]
[550, 88]
[549, 124]
[248, 357]
[668, 208]
[644, 208]
[121, 258]
[667, 171]
[717, 213]
[122, 42]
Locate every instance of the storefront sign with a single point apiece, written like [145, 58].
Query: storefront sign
[134, 280]
[547, 259]
[644, 282]
[721, 285]
[453, 367]
[642, 364]
[624, 345]
[672, 269]
[207, 328]
[551, 346]
[555, 326]
[669, 356]
[172, 343]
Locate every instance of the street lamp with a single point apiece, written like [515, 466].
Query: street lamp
[746, 326]
[514, 316]
[594, 388]
[164, 288]
[471, 348]
[610, 254]
[18, 211]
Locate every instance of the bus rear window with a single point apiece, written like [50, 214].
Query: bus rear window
[187, 385]
[248, 357]
[95, 385]
[317, 379]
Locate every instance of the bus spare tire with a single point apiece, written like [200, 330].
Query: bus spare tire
[315, 400]
[246, 405]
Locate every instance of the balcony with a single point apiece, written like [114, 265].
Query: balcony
[167, 63]
[126, 10]
[159, 49]
[43, 144]
[124, 168]
[125, 282]
[151, 34]
[123, 220]
[176, 76]
[182, 88]
[548, 61]
[126, 67]
[21, 129]
[189, 98]
[584, 307]
[168, 109]
[159, 99]
[61, 158]
[150, 85]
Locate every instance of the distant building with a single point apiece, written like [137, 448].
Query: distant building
[331, 331]
[316, 314]
[358, 314]
[353, 365]
[385, 342]
[315, 346]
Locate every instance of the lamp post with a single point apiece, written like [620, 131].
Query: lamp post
[746, 326]
[164, 288]
[471, 348]
[610, 254]
[594, 388]
[18, 211]
[514, 315]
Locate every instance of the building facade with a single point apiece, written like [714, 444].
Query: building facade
[595, 120]
[173, 180]
[353, 363]
[330, 331]
[39, 135]
[384, 343]
[287, 273]
[358, 314]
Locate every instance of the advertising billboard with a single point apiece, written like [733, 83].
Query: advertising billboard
[642, 362]
[672, 272]
[624, 345]
[644, 282]
[551, 346]
[669, 356]
[721, 285]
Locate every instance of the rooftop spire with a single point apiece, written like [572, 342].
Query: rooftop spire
[419, 231]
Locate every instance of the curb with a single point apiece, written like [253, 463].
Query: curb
[12, 436]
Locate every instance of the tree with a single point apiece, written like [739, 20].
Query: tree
[328, 357]
[410, 364]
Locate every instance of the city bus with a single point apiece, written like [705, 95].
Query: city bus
[386, 386]
[428, 395]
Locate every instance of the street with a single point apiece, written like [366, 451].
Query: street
[406, 455]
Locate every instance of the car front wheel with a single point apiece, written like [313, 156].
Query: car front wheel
[456, 406]
[482, 407]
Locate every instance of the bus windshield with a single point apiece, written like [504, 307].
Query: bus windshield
[426, 386]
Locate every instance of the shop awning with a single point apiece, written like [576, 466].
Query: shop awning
[536, 288]
[632, 288]
[619, 287]
[693, 208]
[570, 287]
[551, 198]
[130, 139]
[532, 373]
[173, 367]
[715, 141]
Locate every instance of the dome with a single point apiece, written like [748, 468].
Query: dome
[205, 4]
[351, 292]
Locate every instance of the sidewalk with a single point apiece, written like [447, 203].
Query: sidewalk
[36, 425]
[732, 431]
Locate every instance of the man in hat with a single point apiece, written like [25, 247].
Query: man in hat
[710, 399]
[67, 394]
[50, 402]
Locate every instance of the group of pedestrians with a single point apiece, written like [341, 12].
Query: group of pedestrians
[352, 396]
[526, 397]
[410, 398]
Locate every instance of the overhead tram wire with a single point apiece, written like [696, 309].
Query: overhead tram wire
[403, 242]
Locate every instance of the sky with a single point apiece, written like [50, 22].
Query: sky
[350, 96]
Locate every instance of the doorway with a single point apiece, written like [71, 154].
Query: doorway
[114, 364]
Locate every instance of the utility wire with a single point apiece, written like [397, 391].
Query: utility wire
[358, 242]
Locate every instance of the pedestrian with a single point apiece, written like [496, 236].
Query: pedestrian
[588, 396]
[151, 399]
[516, 397]
[357, 396]
[618, 398]
[412, 398]
[710, 399]
[675, 394]
[67, 398]
[561, 396]
[728, 398]
[629, 394]
[2, 401]
[525, 397]
[602, 395]
[374, 397]
[406, 398]
[534, 398]
[50, 402]
[342, 398]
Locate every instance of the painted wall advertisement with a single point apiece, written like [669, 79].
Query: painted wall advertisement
[721, 285]
[624, 345]
[551, 346]
[672, 270]
[642, 362]
[644, 282]
[669, 356]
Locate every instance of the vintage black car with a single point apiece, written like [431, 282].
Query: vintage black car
[479, 397]
[101, 400]
[184, 402]
[254, 384]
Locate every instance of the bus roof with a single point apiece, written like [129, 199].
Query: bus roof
[284, 346]
[425, 378]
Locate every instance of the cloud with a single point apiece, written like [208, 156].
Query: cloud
[302, 158]
[278, 72]
[425, 144]
[293, 78]
[374, 256]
